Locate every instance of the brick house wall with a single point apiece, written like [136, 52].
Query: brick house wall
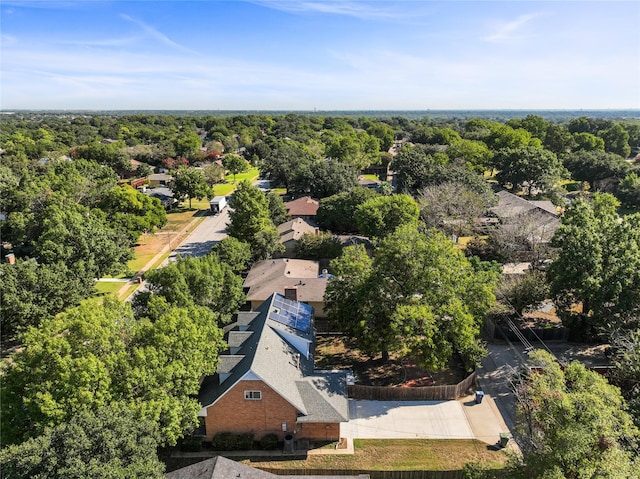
[234, 413]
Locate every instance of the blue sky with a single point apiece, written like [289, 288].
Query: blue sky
[324, 55]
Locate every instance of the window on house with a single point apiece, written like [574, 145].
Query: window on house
[253, 395]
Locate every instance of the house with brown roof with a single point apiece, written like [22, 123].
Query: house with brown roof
[291, 232]
[305, 208]
[299, 279]
[267, 384]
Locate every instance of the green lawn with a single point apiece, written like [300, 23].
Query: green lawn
[103, 287]
[398, 455]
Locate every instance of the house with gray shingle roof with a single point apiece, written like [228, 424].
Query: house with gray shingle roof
[220, 467]
[291, 231]
[267, 383]
[543, 215]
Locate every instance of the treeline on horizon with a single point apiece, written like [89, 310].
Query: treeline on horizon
[553, 115]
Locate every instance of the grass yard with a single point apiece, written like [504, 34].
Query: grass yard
[397, 455]
[105, 287]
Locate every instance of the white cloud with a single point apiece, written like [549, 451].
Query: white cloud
[360, 10]
[155, 34]
[510, 31]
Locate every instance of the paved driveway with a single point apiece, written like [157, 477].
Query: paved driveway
[406, 420]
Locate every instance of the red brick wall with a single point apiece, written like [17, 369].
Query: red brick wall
[233, 413]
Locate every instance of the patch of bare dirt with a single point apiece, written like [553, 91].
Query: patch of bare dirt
[340, 352]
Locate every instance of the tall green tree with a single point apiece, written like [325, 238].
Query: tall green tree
[337, 213]
[109, 442]
[530, 168]
[381, 215]
[572, 423]
[133, 212]
[69, 232]
[357, 149]
[233, 252]
[190, 183]
[277, 208]
[235, 164]
[419, 296]
[90, 357]
[593, 166]
[250, 221]
[324, 178]
[598, 265]
[204, 281]
[32, 292]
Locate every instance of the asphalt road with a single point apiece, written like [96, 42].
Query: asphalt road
[212, 230]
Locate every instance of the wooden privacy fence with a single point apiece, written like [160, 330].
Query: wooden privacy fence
[424, 393]
[371, 474]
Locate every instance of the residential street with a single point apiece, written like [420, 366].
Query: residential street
[212, 230]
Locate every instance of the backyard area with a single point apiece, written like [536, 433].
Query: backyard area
[394, 454]
[340, 352]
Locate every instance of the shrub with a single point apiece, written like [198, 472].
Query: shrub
[192, 444]
[228, 441]
[269, 441]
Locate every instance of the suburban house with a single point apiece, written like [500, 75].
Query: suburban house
[160, 179]
[291, 232]
[541, 217]
[165, 195]
[297, 279]
[220, 467]
[305, 208]
[267, 384]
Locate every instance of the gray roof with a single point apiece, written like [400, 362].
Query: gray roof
[282, 357]
[220, 467]
[162, 193]
[510, 205]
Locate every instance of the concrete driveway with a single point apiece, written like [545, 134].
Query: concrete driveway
[406, 420]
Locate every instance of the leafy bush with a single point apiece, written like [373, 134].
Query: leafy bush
[269, 441]
[192, 444]
[228, 441]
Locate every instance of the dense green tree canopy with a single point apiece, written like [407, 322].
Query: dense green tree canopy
[316, 246]
[92, 357]
[337, 213]
[251, 221]
[204, 281]
[529, 168]
[598, 264]
[106, 443]
[629, 190]
[233, 252]
[419, 296]
[277, 208]
[381, 215]
[32, 292]
[592, 166]
[324, 178]
[355, 148]
[413, 166]
[572, 424]
[133, 212]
